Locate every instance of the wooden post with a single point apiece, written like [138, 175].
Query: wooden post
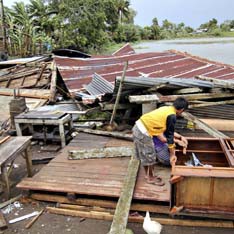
[4, 174]
[123, 206]
[118, 94]
[28, 158]
[53, 82]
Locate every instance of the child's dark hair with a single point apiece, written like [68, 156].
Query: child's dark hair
[180, 103]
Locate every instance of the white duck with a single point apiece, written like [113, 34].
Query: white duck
[151, 227]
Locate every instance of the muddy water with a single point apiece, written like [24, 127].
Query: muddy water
[216, 49]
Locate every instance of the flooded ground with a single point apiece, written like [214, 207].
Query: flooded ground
[216, 49]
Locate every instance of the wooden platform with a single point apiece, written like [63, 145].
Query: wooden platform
[96, 177]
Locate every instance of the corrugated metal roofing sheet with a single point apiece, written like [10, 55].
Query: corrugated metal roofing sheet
[99, 86]
[148, 82]
[78, 72]
[126, 49]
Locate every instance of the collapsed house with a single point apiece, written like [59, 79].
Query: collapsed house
[97, 91]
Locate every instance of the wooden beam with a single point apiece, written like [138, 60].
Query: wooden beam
[108, 152]
[218, 82]
[144, 98]
[188, 90]
[211, 103]
[140, 219]
[109, 106]
[40, 74]
[31, 93]
[98, 202]
[4, 139]
[106, 133]
[120, 218]
[199, 96]
[12, 200]
[171, 98]
[213, 132]
[34, 219]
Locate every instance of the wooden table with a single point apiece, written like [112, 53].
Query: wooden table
[9, 151]
[44, 118]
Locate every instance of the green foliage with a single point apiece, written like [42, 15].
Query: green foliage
[89, 26]
[127, 33]
[216, 32]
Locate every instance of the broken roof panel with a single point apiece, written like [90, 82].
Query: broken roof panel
[126, 49]
[99, 86]
[78, 72]
[30, 74]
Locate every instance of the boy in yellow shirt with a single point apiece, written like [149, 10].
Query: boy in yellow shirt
[155, 137]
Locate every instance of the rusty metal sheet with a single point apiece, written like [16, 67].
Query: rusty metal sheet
[79, 72]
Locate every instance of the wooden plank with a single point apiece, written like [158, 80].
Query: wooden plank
[44, 182]
[163, 221]
[12, 147]
[34, 219]
[120, 219]
[12, 200]
[108, 152]
[76, 188]
[226, 102]
[4, 139]
[227, 153]
[99, 202]
[170, 98]
[219, 172]
[3, 223]
[202, 125]
[188, 90]
[187, 191]
[31, 93]
[144, 98]
[106, 133]
[223, 193]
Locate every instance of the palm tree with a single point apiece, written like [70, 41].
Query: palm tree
[122, 9]
[42, 15]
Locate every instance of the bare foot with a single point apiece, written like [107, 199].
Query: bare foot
[155, 180]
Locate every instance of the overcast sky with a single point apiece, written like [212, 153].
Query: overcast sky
[192, 12]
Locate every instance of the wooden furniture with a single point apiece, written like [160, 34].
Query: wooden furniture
[9, 151]
[205, 189]
[44, 119]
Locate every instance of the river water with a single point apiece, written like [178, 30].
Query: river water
[216, 49]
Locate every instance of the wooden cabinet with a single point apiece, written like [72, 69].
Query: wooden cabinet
[208, 188]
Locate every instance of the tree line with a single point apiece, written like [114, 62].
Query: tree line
[86, 25]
